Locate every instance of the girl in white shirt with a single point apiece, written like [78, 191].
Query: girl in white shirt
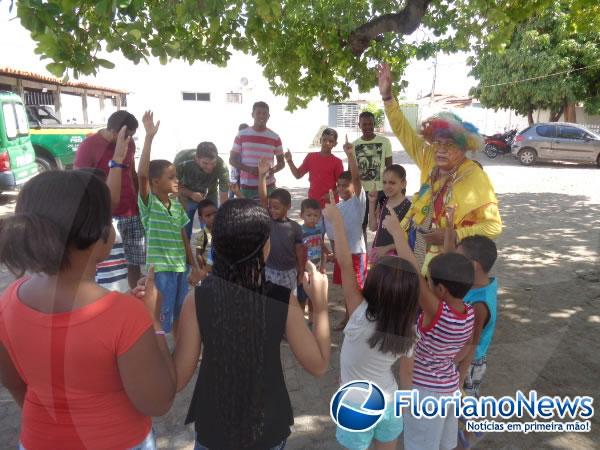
[380, 331]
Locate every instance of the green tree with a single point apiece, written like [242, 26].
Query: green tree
[562, 67]
[307, 48]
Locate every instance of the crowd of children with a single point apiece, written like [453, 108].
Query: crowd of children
[439, 328]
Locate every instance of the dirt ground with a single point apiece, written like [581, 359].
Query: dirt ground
[548, 329]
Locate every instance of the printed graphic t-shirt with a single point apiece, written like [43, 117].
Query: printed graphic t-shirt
[312, 239]
[370, 156]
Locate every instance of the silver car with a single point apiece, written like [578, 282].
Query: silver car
[556, 141]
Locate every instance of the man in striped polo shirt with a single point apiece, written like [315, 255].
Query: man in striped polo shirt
[250, 146]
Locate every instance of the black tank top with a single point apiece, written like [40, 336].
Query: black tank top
[206, 408]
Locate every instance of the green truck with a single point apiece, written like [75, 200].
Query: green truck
[54, 144]
[17, 158]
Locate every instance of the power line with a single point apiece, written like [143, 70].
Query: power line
[539, 77]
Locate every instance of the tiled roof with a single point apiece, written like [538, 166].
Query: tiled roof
[8, 71]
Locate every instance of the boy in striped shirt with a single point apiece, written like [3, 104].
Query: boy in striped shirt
[164, 220]
[444, 329]
[250, 146]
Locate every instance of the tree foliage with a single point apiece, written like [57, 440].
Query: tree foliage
[308, 49]
[543, 46]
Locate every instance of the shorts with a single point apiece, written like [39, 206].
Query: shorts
[359, 264]
[474, 377]
[285, 278]
[173, 287]
[386, 430]
[430, 433]
[132, 234]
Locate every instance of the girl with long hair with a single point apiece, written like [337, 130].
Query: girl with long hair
[380, 331]
[238, 319]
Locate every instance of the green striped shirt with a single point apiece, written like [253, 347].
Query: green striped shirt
[164, 243]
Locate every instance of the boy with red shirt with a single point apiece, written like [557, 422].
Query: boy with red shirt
[323, 168]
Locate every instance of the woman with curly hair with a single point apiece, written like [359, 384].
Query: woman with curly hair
[448, 178]
[238, 319]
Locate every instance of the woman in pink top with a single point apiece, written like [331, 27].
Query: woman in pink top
[83, 363]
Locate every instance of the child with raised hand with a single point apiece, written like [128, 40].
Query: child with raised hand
[445, 329]
[238, 319]
[285, 265]
[83, 363]
[379, 332]
[164, 221]
[323, 168]
[394, 188]
[352, 206]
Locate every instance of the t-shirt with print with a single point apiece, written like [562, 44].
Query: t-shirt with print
[312, 239]
[353, 213]
[163, 227]
[285, 235]
[323, 173]
[95, 151]
[252, 146]
[111, 273]
[370, 156]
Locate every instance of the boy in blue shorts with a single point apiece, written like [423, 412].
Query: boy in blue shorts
[164, 220]
[482, 252]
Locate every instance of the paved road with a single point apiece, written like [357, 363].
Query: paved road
[549, 310]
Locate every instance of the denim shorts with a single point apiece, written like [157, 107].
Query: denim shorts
[149, 443]
[173, 287]
[388, 429]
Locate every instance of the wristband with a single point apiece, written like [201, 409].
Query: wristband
[386, 99]
[112, 164]
[160, 332]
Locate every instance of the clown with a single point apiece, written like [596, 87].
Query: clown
[449, 180]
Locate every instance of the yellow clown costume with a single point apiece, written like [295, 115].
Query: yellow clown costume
[467, 188]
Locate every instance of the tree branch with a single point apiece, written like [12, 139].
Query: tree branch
[403, 22]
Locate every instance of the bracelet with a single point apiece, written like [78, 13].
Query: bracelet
[160, 332]
[386, 99]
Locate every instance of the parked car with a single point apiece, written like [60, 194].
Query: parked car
[556, 141]
[17, 158]
[55, 143]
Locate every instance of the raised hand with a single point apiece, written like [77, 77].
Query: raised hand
[149, 125]
[384, 76]
[122, 145]
[331, 211]
[315, 285]
[348, 148]
[264, 165]
[392, 224]
[288, 155]
[373, 197]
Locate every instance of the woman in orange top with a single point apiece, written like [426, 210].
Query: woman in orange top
[83, 363]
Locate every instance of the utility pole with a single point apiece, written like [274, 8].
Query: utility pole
[434, 77]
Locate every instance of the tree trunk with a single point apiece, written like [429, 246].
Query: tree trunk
[530, 117]
[570, 112]
[555, 115]
[403, 22]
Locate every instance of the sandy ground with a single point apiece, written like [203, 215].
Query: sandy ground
[547, 335]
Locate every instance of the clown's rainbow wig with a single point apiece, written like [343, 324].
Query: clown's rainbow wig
[447, 125]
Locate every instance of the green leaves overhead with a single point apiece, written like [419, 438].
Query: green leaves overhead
[302, 45]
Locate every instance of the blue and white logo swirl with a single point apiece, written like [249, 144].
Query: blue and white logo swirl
[357, 406]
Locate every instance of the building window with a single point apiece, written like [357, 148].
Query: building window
[196, 96]
[343, 115]
[233, 97]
